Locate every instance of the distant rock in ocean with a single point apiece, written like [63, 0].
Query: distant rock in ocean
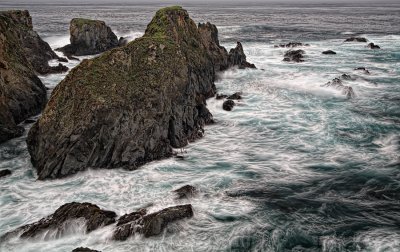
[338, 84]
[291, 45]
[329, 52]
[88, 37]
[22, 94]
[356, 39]
[373, 46]
[133, 104]
[294, 56]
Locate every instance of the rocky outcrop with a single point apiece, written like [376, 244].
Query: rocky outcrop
[221, 59]
[356, 39]
[151, 224]
[22, 94]
[4, 173]
[228, 105]
[291, 45]
[373, 46]
[37, 52]
[89, 37]
[329, 52]
[186, 191]
[294, 56]
[129, 106]
[337, 83]
[92, 214]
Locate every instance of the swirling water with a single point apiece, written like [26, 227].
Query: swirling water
[294, 167]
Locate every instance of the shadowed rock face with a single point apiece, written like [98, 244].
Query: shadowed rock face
[89, 37]
[130, 105]
[92, 214]
[22, 94]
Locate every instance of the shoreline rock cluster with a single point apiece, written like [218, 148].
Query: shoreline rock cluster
[133, 104]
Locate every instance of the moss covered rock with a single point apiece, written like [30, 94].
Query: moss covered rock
[22, 94]
[89, 37]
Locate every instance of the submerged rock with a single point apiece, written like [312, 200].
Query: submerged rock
[82, 249]
[4, 173]
[22, 94]
[186, 191]
[89, 37]
[228, 105]
[373, 46]
[92, 214]
[294, 56]
[328, 52]
[291, 45]
[356, 39]
[130, 105]
[151, 224]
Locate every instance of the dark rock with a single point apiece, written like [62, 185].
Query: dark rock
[220, 96]
[235, 96]
[328, 52]
[338, 84]
[37, 52]
[356, 39]
[134, 120]
[236, 57]
[152, 224]
[228, 105]
[70, 57]
[27, 121]
[346, 77]
[186, 191]
[4, 173]
[122, 41]
[366, 71]
[373, 46]
[62, 59]
[22, 94]
[88, 37]
[57, 69]
[93, 215]
[291, 45]
[294, 55]
[82, 249]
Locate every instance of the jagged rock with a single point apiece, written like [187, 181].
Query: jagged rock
[356, 39]
[4, 173]
[92, 214]
[82, 249]
[328, 52]
[236, 57]
[186, 191]
[22, 94]
[373, 46]
[294, 55]
[235, 96]
[151, 224]
[338, 84]
[219, 55]
[291, 45]
[366, 71]
[88, 37]
[228, 105]
[37, 52]
[130, 105]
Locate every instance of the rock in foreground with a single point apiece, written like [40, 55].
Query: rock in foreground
[89, 37]
[130, 105]
[92, 214]
[151, 224]
[22, 94]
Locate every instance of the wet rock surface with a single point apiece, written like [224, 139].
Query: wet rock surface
[163, 107]
[88, 37]
[329, 52]
[186, 191]
[294, 56]
[356, 39]
[4, 173]
[338, 84]
[22, 94]
[92, 214]
[373, 46]
[151, 224]
[228, 105]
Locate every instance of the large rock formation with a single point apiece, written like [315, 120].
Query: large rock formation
[92, 214]
[130, 105]
[89, 37]
[37, 52]
[22, 94]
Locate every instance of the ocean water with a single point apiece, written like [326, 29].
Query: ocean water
[294, 167]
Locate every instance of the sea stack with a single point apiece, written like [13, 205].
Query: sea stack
[88, 37]
[22, 94]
